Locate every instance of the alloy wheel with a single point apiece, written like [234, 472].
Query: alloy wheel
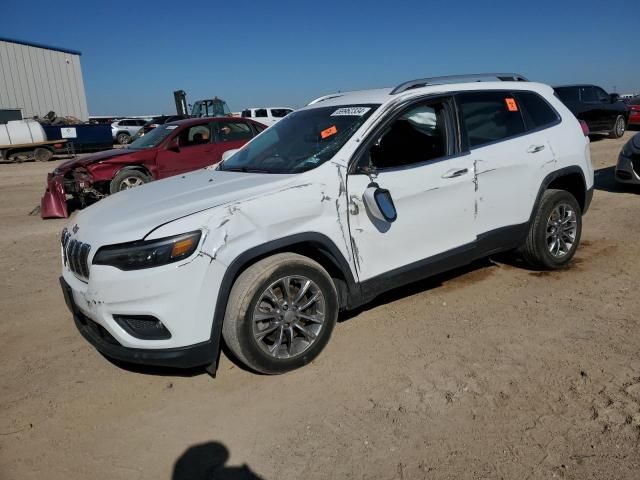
[562, 227]
[130, 182]
[288, 317]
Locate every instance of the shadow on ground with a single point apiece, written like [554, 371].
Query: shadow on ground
[206, 461]
[605, 180]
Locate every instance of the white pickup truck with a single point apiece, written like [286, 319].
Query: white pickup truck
[22, 140]
[266, 115]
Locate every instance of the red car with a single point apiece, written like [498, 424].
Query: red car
[634, 111]
[167, 150]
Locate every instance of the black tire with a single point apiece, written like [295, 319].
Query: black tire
[42, 154]
[536, 250]
[123, 138]
[247, 291]
[619, 127]
[128, 176]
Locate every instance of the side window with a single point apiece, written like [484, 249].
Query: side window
[537, 112]
[588, 95]
[140, 122]
[418, 135]
[280, 112]
[603, 97]
[196, 135]
[125, 123]
[246, 114]
[490, 116]
[259, 127]
[233, 131]
[261, 113]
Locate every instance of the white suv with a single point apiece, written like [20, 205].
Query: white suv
[266, 116]
[353, 195]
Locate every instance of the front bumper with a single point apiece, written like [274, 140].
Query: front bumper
[180, 296]
[53, 203]
[628, 170]
[179, 357]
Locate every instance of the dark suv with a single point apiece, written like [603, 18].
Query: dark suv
[602, 112]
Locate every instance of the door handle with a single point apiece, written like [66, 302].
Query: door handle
[535, 148]
[456, 172]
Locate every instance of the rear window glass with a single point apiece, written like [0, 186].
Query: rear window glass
[538, 113]
[490, 116]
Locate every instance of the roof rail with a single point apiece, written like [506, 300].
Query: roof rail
[478, 77]
[325, 97]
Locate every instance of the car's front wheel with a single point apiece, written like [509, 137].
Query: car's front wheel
[619, 127]
[127, 179]
[280, 313]
[554, 233]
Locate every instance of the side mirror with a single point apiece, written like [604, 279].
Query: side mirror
[229, 153]
[379, 203]
[173, 145]
[614, 97]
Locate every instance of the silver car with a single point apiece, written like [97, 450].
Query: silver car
[122, 130]
[628, 167]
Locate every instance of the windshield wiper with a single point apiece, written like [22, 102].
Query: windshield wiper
[244, 170]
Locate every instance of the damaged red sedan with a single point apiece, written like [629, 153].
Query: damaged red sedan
[168, 150]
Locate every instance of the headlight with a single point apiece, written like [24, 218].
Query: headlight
[147, 254]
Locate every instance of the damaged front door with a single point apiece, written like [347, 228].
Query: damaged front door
[432, 191]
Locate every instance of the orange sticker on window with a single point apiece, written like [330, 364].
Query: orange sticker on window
[332, 130]
[512, 106]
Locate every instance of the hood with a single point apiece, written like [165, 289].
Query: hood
[95, 158]
[131, 214]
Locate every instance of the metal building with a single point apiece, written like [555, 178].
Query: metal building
[37, 78]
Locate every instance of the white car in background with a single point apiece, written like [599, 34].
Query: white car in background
[266, 115]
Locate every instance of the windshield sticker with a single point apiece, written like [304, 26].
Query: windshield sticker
[171, 127]
[332, 130]
[350, 111]
[512, 106]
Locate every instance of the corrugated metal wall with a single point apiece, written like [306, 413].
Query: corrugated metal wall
[39, 80]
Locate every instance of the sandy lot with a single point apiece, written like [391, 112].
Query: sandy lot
[490, 372]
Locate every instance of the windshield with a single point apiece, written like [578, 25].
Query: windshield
[153, 138]
[210, 108]
[300, 141]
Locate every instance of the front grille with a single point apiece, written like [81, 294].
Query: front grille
[75, 254]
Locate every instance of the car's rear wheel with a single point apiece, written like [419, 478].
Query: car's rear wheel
[123, 138]
[280, 313]
[127, 179]
[619, 127]
[555, 232]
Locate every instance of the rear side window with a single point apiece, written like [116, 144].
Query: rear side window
[246, 114]
[537, 112]
[261, 112]
[588, 95]
[232, 131]
[490, 116]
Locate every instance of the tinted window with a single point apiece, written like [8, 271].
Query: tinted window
[568, 94]
[588, 95]
[261, 112]
[259, 127]
[537, 111]
[232, 131]
[280, 112]
[603, 96]
[635, 101]
[196, 135]
[490, 116]
[124, 123]
[246, 113]
[418, 135]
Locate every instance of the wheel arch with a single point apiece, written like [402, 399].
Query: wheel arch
[139, 168]
[570, 179]
[315, 246]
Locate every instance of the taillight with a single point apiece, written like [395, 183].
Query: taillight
[585, 127]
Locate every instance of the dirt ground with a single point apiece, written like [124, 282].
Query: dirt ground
[490, 372]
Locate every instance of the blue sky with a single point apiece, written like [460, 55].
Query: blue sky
[285, 53]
